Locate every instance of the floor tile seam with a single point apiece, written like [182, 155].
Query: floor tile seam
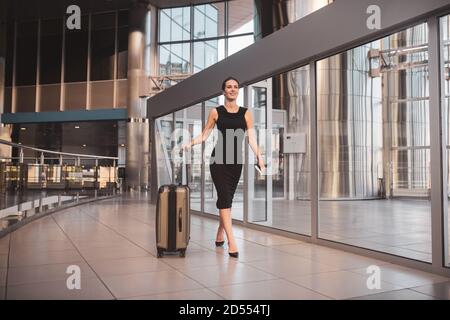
[56, 281]
[245, 265]
[261, 281]
[30, 229]
[315, 291]
[397, 290]
[213, 249]
[206, 266]
[128, 257]
[307, 257]
[385, 291]
[47, 281]
[413, 289]
[396, 284]
[129, 217]
[313, 273]
[92, 269]
[244, 282]
[133, 273]
[199, 266]
[45, 264]
[260, 269]
[182, 274]
[292, 256]
[169, 292]
[44, 251]
[209, 248]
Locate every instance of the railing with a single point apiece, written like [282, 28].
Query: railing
[16, 173]
[31, 187]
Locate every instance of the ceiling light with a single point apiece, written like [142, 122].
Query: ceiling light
[84, 145]
[23, 128]
[122, 145]
[77, 127]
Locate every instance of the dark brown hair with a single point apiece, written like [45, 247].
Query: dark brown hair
[228, 79]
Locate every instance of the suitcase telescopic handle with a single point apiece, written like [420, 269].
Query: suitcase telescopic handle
[183, 154]
[180, 220]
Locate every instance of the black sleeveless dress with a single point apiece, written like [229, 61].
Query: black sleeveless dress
[226, 158]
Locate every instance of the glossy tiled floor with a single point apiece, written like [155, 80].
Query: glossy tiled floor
[113, 244]
[398, 226]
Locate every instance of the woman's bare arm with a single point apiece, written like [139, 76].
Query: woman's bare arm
[210, 123]
[252, 138]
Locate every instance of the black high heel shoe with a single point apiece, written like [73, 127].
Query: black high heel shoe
[234, 254]
[220, 243]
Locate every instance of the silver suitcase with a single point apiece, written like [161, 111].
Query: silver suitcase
[173, 219]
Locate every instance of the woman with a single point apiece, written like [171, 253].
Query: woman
[226, 170]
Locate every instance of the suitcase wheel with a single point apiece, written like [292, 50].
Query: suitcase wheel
[160, 253]
[183, 253]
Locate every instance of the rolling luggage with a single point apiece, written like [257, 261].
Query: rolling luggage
[173, 219]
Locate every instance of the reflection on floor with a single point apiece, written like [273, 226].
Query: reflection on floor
[401, 227]
[18, 205]
[113, 244]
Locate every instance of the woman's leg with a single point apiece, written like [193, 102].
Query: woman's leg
[225, 217]
[220, 230]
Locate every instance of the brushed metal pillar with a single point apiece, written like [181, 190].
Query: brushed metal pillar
[137, 124]
[439, 202]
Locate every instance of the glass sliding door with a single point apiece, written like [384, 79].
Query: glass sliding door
[257, 185]
[291, 151]
[281, 109]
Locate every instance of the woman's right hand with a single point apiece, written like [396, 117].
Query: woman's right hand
[186, 146]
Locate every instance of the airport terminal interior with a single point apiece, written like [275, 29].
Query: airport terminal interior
[352, 119]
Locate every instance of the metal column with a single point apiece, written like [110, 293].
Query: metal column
[438, 148]
[137, 125]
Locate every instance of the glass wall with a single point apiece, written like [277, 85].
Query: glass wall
[76, 52]
[374, 146]
[297, 9]
[164, 128]
[50, 64]
[373, 135]
[188, 167]
[210, 192]
[445, 69]
[65, 63]
[122, 45]
[51, 51]
[211, 40]
[102, 46]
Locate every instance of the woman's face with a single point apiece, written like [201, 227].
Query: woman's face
[231, 90]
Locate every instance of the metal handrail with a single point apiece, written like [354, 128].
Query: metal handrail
[46, 158]
[20, 146]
